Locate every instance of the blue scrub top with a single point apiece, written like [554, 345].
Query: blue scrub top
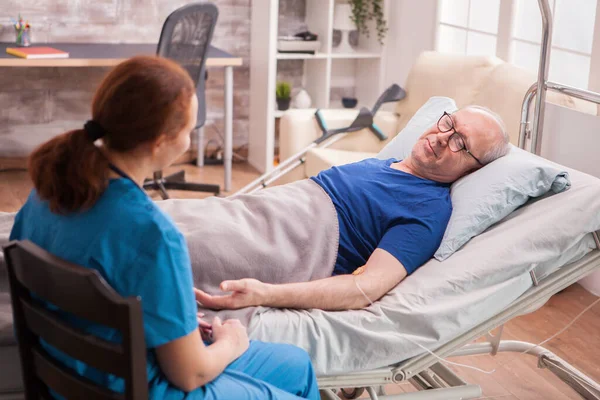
[381, 207]
[139, 251]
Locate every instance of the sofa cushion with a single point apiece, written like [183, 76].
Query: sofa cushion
[364, 140]
[319, 159]
[436, 74]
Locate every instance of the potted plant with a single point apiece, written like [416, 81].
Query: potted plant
[22, 29]
[283, 94]
[365, 10]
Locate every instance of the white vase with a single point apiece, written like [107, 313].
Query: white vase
[302, 100]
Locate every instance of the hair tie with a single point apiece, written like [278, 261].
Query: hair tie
[94, 130]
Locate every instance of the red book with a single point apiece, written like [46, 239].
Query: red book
[37, 52]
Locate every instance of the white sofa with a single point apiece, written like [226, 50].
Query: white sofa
[485, 81]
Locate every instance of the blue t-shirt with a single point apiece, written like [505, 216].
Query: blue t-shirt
[382, 207]
[138, 250]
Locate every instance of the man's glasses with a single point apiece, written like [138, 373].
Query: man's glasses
[456, 142]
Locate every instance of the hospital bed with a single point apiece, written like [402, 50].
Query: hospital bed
[568, 249]
[511, 269]
[535, 282]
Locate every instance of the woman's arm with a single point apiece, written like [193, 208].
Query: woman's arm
[188, 363]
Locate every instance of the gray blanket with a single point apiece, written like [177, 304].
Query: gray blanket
[279, 235]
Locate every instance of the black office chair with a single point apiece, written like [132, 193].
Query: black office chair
[82, 293]
[185, 38]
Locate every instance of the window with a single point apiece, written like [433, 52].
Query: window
[473, 26]
[573, 31]
[468, 26]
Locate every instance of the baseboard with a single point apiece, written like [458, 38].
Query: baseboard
[13, 162]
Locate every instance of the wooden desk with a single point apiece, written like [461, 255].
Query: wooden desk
[110, 54]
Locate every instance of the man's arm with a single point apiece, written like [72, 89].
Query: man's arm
[382, 272]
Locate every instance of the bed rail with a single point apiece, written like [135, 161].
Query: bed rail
[553, 283]
[525, 132]
[544, 63]
[538, 89]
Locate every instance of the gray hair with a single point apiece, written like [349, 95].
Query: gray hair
[501, 147]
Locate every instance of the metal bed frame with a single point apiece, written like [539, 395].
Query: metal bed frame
[437, 381]
[425, 372]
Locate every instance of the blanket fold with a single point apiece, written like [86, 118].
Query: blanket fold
[281, 234]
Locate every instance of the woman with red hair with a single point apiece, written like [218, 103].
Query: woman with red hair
[88, 207]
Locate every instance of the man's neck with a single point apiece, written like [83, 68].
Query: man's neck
[137, 168]
[407, 166]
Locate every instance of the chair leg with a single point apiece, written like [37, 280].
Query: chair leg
[177, 181]
[176, 177]
[152, 183]
[157, 183]
[198, 187]
[200, 159]
[163, 191]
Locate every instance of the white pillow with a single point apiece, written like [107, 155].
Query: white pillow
[489, 194]
[429, 114]
[486, 196]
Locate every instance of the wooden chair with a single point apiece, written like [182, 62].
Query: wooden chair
[82, 293]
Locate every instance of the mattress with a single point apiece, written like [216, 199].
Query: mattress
[442, 300]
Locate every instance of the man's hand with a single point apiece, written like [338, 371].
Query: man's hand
[341, 292]
[244, 293]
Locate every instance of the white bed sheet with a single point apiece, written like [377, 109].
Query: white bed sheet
[444, 299]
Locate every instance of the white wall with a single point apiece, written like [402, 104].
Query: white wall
[412, 26]
[564, 132]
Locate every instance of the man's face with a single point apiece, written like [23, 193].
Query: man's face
[435, 154]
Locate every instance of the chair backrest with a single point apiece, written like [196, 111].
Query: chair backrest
[82, 293]
[185, 38]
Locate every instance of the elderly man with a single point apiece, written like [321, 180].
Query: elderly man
[392, 215]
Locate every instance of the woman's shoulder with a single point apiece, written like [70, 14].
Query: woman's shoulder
[135, 211]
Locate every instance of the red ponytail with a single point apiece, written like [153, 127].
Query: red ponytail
[139, 100]
[69, 171]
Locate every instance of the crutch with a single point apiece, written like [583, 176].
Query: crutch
[363, 120]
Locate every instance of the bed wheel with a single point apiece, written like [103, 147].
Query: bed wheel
[351, 393]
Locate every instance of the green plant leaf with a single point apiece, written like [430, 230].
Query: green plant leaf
[283, 90]
[365, 10]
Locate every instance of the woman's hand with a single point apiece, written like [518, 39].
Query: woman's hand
[233, 332]
[244, 293]
[205, 327]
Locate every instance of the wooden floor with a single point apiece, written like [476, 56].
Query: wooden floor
[516, 376]
[15, 185]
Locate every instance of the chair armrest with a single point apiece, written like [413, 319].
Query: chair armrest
[299, 128]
